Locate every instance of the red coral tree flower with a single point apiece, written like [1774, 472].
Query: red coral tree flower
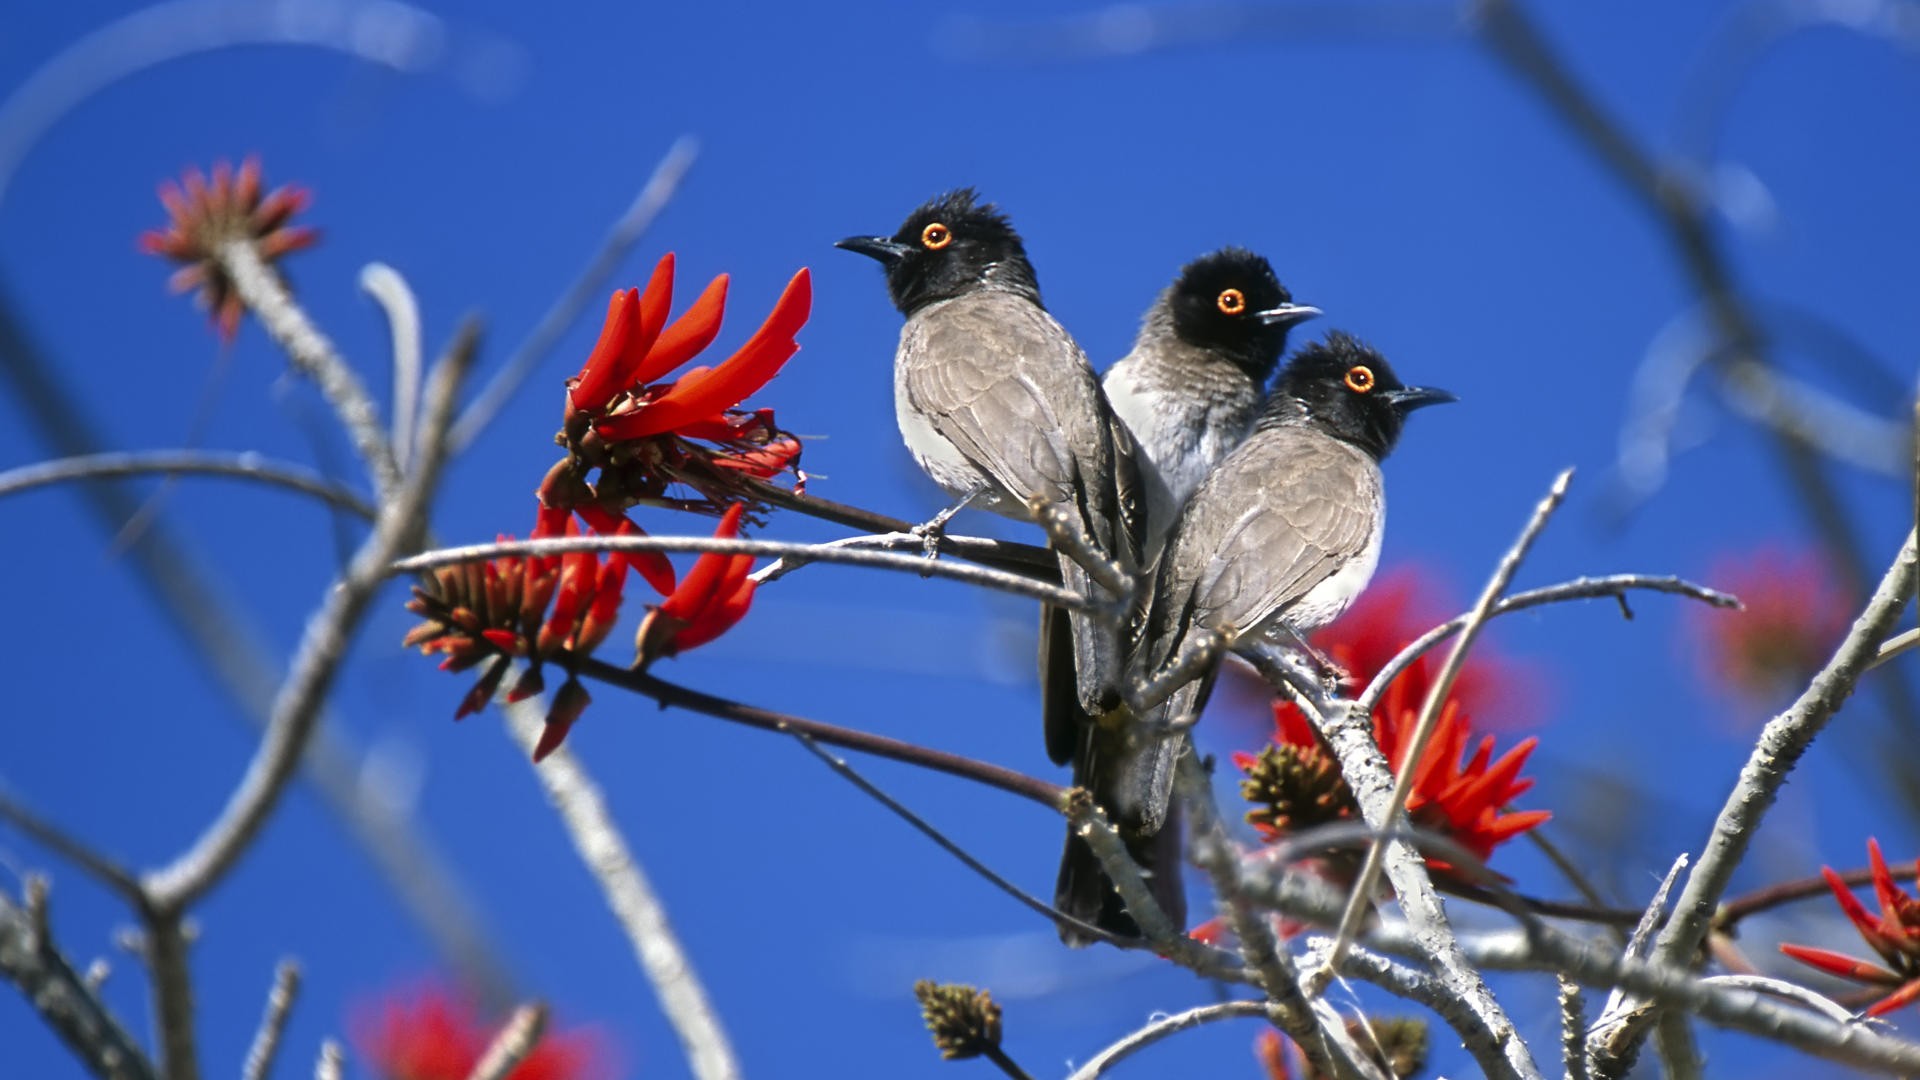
[434, 1034]
[1793, 615]
[633, 437]
[709, 601]
[205, 214]
[1894, 934]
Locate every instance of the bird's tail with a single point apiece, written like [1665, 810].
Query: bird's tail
[1129, 773]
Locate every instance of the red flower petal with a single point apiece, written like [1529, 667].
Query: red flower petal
[730, 604]
[1901, 997]
[655, 567]
[696, 591]
[599, 376]
[693, 331]
[1846, 967]
[654, 304]
[746, 371]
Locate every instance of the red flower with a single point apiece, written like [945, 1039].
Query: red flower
[1894, 933]
[205, 214]
[1455, 793]
[432, 1034]
[632, 438]
[1792, 618]
[709, 601]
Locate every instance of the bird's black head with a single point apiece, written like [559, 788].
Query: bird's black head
[1231, 302]
[1346, 388]
[952, 245]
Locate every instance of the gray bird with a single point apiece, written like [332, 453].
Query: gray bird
[999, 405]
[1197, 373]
[1188, 391]
[1277, 541]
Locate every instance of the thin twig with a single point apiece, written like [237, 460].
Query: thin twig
[620, 239]
[1611, 586]
[827, 553]
[1030, 559]
[395, 297]
[925, 828]
[71, 848]
[517, 1038]
[1786, 892]
[60, 995]
[1781, 988]
[1778, 749]
[312, 355]
[1309, 1021]
[399, 527]
[228, 641]
[1573, 1028]
[333, 1062]
[1362, 890]
[273, 1025]
[245, 465]
[671, 694]
[603, 848]
[1166, 1027]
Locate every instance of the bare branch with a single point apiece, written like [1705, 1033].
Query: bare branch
[323, 648]
[72, 1009]
[826, 553]
[1781, 988]
[1034, 903]
[312, 355]
[273, 1025]
[620, 239]
[517, 1038]
[395, 297]
[1573, 1028]
[666, 693]
[240, 466]
[1166, 1027]
[1612, 586]
[576, 798]
[332, 1064]
[1781, 743]
[105, 870]
[1029, 559]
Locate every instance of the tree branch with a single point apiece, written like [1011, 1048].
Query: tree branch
[240, 466]
[30, 960]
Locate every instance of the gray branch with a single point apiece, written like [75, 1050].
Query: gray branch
[239, 466]
[829, 553]
[273, 1024]
[517, 1038]
[30, 960]
[1781, 743]
[1166, 1027]
[576, 798]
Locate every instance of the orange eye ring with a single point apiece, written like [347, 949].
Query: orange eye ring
[1232, 302]
[1359, 378]
[935, 236]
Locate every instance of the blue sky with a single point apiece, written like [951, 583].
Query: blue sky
[1411, 188]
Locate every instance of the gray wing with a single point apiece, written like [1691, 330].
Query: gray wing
[1006, 385]
[1281, 514]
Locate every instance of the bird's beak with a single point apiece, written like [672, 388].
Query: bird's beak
[1288, 314]
[1408, 398]
[885, 249]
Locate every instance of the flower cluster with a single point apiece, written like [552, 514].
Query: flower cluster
[560, 608]
[434, 1034]
[1398, 1045]
[1792, 616]
[1894, 933]
[1460, 790]
[204, 214]
[633, 439]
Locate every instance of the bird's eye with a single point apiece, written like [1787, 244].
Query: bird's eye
[935, 236]
[1232, 302]
[1359, 378]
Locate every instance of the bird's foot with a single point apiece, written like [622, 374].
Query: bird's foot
[934, 529]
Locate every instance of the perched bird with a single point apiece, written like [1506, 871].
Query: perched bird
[1197, 373]
[1000, 407]
[1188, 392]
[1277, 541]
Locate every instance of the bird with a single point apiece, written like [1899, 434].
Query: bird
[1000, 407]
[1188, 392]
[1197, 373]
[1276, 542]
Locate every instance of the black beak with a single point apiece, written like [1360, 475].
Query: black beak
[888, 251]
[1288, 314]
[1408, 398]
